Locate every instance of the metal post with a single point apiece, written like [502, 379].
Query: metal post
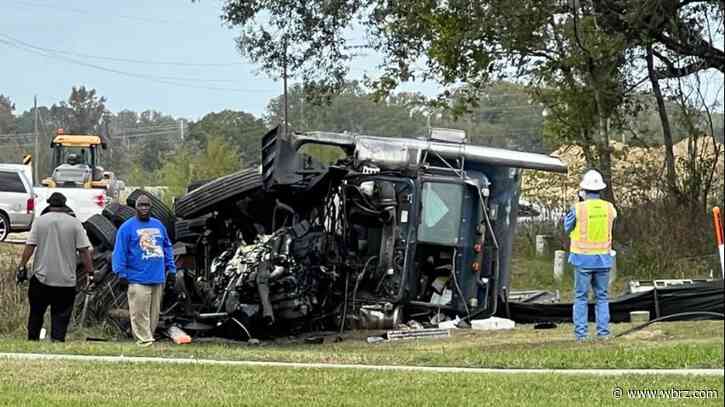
[656, 301]
[559, 262]
[542, 245]
[717, 223]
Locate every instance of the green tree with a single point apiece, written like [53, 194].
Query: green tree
[236, 128]
[7, 119]
[550, 44]
[147, 137]
[681, 33]
[177, 172]
[81, 113]
[183, 166]
[149, 152]
[353, 110]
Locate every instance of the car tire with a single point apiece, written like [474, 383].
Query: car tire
[101, 232]
[159, 210]
[231, 187]
[4, 227]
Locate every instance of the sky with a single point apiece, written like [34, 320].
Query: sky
[164, 38]
[143, 54]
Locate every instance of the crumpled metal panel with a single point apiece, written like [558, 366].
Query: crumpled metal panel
[395, 153]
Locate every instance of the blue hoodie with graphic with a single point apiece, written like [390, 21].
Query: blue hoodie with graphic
[143, 252]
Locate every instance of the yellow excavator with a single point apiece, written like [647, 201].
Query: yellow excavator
[75, 162]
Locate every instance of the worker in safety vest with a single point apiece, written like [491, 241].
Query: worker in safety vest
[590, 225]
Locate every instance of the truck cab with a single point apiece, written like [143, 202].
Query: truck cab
[427, 224]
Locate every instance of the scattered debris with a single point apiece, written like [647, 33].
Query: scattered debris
[637, 317]
[450, 324]
[178, 336]
[545, 325]
[492, 324]
[418, 333]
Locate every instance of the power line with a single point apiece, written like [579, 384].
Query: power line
[174, 82]
[59, 55]
[14, 135]
[139, 61]
[87, 12]
[148, 128]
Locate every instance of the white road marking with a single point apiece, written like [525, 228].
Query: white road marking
[429, 369]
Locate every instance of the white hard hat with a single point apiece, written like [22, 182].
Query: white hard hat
[592, 181]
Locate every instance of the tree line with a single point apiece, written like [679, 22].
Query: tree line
[164, 150]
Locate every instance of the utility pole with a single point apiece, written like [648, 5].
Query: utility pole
[37, 146]
[181, 129]
[302, 111]
[284, 80]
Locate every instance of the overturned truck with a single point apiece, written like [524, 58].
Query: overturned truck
[388, 230]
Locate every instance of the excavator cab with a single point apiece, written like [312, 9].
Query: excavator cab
[75, 160]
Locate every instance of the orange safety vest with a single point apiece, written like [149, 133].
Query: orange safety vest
[593, 231]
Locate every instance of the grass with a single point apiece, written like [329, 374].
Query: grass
[13, 299]
[55, 383]
[537, 273]
[670, 345]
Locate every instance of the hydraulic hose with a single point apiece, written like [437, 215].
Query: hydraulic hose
[666, 317]
[497, 272]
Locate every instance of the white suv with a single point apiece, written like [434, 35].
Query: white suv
[17, 201]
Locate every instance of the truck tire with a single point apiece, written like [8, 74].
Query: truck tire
[231, 187]
[124, 213]
[159, 210]
[101, 232]
[183, 233]
[118, 213]
[110, 210]
[196, 184]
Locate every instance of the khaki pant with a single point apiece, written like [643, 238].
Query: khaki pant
[144, 305]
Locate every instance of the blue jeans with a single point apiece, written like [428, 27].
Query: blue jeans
[599, 280]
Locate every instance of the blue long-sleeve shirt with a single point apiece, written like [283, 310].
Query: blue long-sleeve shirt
[143, 252]
[586, 261]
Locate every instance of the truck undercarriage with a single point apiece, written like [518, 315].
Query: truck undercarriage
[393, 230]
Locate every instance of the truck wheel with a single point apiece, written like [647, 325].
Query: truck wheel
[183, 233]
[118, 213]
[123, 214]
[110, 210]
[4, 226]
[196, 184]
[231, 187]
[101, 232]
[159, 210]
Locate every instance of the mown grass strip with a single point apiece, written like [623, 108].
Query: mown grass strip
[55, 383]
[674, 345]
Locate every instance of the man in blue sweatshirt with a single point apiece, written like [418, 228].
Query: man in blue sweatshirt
[142, 257]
